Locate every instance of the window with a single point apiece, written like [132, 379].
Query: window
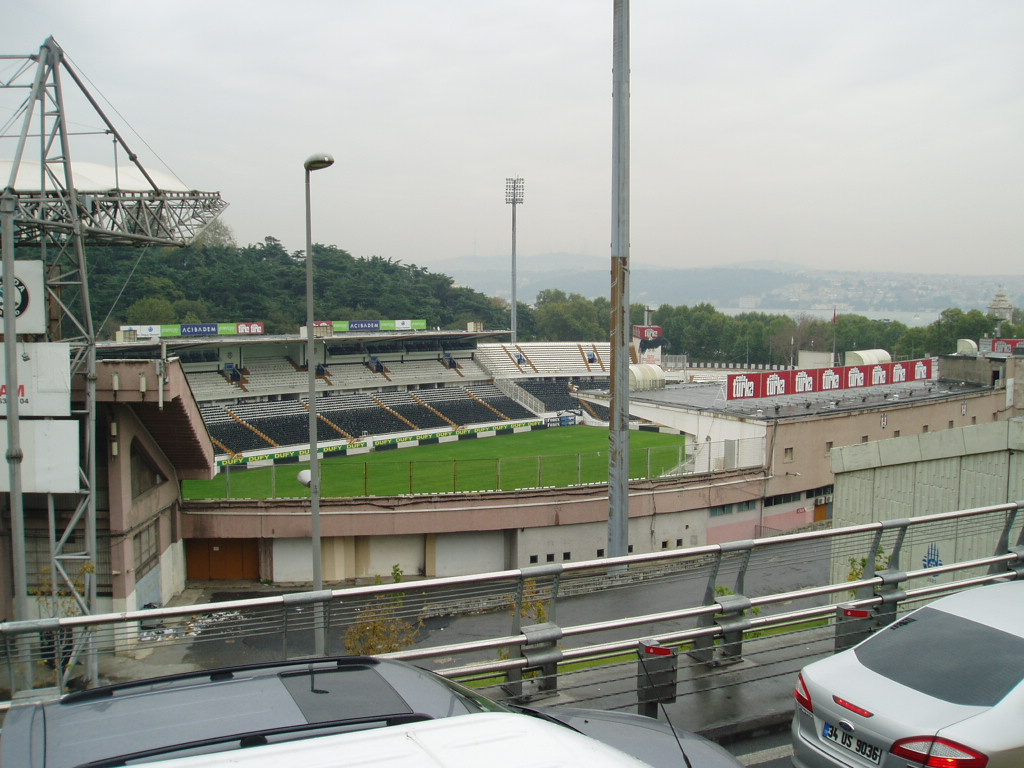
[950, 426]
[787, 455]
[533, 558]
[600, 553]
[895, 433]
[146, 548]
[782, 498]
[746, 506]
[664, 545]
[550, 557]
[145, 475]
[719, 511]
[828, 447]
[910, 651]
[566, 556]
[679, 542]
[924, 428]
[863, 438]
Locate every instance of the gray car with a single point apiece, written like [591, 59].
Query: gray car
[254, 705]
[940, 687]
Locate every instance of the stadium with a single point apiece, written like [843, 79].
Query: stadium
[184, 405]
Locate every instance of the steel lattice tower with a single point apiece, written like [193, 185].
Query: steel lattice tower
[49, 215]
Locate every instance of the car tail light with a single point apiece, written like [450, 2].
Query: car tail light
[852, 707]
[934, 752]
[803, 696]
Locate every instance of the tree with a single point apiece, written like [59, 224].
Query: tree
[151, 311]
[954, 324]
[381, 627]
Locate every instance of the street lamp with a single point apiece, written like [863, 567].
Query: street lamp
[514, 197]
[313, 163]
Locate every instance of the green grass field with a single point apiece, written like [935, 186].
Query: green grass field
[544, 458]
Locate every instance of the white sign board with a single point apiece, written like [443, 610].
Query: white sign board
[51, 457]
[44, 380]
[29, 296]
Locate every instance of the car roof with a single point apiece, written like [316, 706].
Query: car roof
[208, 705]
[995, 605]
[495, 739]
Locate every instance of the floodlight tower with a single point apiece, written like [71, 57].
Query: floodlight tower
[514, 197]
[49, 219]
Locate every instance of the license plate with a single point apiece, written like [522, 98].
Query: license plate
[848, 741]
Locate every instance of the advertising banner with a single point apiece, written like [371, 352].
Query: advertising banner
[29, 297]
[51, 463]
[750, 386]
[1006, 346]
[44, 380]
[240, 329]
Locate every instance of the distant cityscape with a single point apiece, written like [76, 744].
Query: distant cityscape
[913, 299]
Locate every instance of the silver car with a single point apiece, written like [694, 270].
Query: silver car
[941, 687]
[261, 704]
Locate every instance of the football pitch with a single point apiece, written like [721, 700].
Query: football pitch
[559, 457]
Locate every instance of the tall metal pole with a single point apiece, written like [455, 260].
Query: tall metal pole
[314, 163]
[514, 197]
[618, 470]
[14, 452]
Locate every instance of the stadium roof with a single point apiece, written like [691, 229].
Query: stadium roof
[93, 177]
[710, 397]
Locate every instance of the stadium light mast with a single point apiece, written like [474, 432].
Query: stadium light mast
[618, 435]
[313, 163]
[514, 197]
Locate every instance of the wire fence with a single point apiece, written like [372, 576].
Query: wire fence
[347, 476]
[569, 627]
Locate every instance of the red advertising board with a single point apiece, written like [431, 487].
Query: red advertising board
[750, 386]
[648, 332]
[1000, 345]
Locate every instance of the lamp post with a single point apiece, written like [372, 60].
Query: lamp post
[514, 197]
[313, 163]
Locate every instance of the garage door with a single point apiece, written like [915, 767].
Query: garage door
[223, 559]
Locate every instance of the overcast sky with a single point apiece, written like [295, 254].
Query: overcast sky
[870, 134]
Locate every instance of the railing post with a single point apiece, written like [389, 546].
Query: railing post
[542, 652]
[733, 624]
[657, 672]
[853, 624]
[891, 596]
[514, 683]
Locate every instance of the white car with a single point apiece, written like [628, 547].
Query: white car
[941, 688]
[487, 740]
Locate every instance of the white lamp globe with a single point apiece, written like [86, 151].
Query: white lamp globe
[305, 477]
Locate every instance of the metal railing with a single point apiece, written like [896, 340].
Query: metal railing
[570, 627]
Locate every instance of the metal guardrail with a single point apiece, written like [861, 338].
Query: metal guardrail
[570, 627]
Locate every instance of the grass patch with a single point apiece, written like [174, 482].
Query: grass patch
[543, 458]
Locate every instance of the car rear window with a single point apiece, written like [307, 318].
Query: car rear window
[948, 657]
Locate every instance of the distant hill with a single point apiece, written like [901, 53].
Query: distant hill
[756, 285]
[590, 277]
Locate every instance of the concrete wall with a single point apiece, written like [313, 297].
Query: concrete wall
[293, 561]
[454, 554]
[377, 556]
[921, 474]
